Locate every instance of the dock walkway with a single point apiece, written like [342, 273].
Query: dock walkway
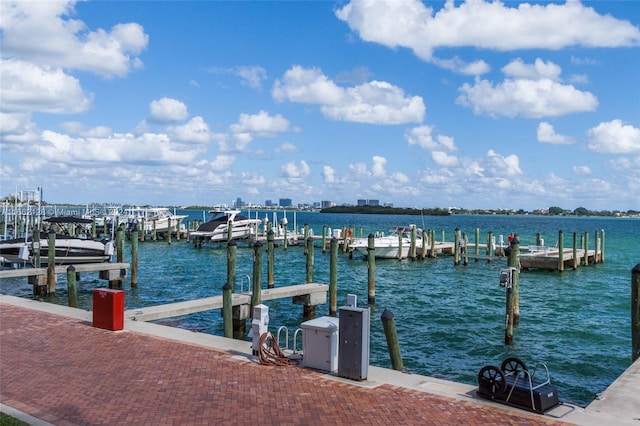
[58, 369]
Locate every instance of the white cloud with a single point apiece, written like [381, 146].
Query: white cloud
[528, 98]
[329, 175]
[261, 124]
[293, 172]
[442, 159]
[222, 162]
[536, 71]
[495, 165]
[377, 167]
[121, 148]
[487, 25]
[547, 134]
[581, 170]
[287, 147]
[166, 110]
[375, 102]
[195, 130]
[43, 33]
[422, 136]
[26, 87]
[614, 137]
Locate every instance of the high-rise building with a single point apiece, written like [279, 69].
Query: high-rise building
[285, 202]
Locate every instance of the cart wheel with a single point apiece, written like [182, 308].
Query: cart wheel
[491, 381]
[513, 366]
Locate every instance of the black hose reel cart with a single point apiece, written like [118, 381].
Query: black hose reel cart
[514, 385]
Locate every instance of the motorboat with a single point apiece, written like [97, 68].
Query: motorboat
[395, 245]
[216, 229]
[69, 248]
[157, 219]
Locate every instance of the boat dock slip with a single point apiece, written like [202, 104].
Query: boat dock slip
[317, 295]
[175, 376]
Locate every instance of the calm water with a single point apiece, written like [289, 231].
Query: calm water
[450, 319]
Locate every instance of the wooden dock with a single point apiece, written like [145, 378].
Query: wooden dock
[550, 259]
[62, 269]
[309, 294]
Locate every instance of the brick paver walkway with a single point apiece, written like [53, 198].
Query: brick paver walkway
[67, 372]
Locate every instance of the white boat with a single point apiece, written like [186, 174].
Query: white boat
[69, 249]
[216, 229]
[154, 218]
[388, 246]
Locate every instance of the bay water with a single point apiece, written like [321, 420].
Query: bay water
[450, 319]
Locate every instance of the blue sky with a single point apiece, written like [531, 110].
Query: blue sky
[471, 104]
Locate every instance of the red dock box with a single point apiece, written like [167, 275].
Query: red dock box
[108, 309]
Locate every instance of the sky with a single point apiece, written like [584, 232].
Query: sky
[476, 104]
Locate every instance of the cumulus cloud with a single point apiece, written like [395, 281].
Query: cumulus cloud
[536, 71]
[166, 110]
[531, 98]
[44, 33]
[329, 175]
[374, 102]
[26, 87]
[422, 136]
[614, 137]
[287, 147]
[195, 130]
[547, 134]
[121, 148]
[486, 25]
[443, 159]
[261, 124]
[293, 172]
[494, 164]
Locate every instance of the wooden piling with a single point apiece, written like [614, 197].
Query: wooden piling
[134, 259]
[586, 248]
[256, 295]
[477, 244]
[371, 269]
[229, 232]
[36, 248]
[227, 310]
[305, 234]
[333, 277]
[71, 287]
[432, 254]
[514, 262]
[399, 255]
[270, 259]
[423, 251]
[389, 326]
[309, 249]
[561, 251]
[464, 249]
[635, 313]
[596, 243]
[168, 230]
[602, 246]
[456, 247]
[232, 251]
[489, 245]
[510, 296]
[51, 262]
[575, 251]
[324, 238]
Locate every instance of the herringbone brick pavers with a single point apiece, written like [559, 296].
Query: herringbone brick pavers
[67, 372]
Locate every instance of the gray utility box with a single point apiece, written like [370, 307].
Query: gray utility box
[353, 350]
[320, 343]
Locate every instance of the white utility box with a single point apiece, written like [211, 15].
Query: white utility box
[320, 343]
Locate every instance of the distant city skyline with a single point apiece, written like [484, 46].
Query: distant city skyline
[477, 104]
